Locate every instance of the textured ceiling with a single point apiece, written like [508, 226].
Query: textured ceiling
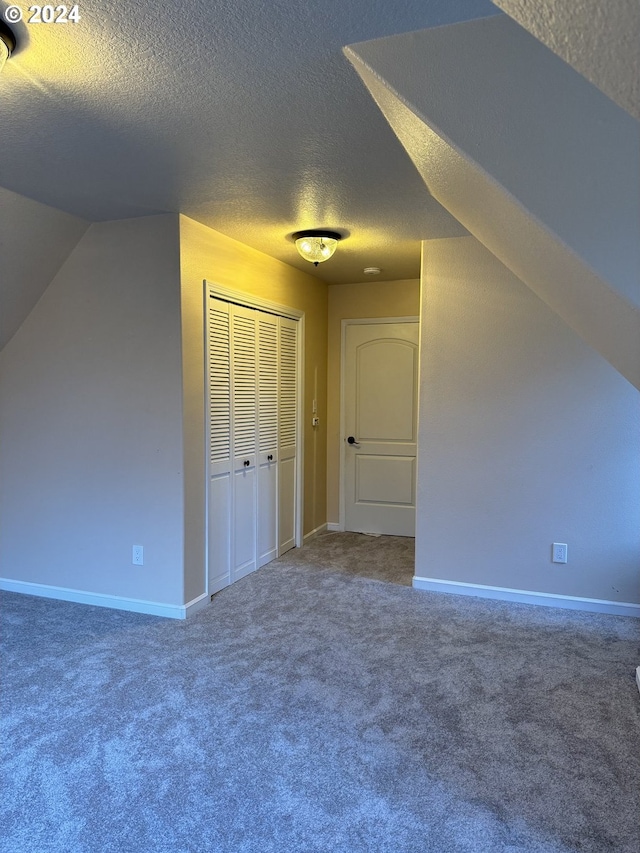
[599, 39]
[244, 116]
[563, 149]
[567, 225]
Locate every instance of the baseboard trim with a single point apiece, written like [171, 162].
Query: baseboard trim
[334, 527]
[313, 533]
[547, 599]
[97, 599]
[196, 604]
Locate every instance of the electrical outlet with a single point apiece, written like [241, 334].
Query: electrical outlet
[138, 555]
[559, 552]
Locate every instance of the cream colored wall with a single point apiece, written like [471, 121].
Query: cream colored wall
[353, 301]
[207, 254]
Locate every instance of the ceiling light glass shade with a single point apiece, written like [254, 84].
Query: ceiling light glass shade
[316, 246]
[4, 53]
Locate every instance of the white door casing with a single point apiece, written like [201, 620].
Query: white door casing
[287, 432]
[379, 406]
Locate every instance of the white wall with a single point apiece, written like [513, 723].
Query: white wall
[91, 421]
[526, 437]
[35, 240]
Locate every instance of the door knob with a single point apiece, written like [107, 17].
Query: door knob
[247, 462]
[351, 440]
[270, 457]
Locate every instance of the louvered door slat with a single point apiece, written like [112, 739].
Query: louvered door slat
[219, 383]
[268, 383]
[244, 382]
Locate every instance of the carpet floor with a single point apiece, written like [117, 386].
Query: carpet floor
[320, 705]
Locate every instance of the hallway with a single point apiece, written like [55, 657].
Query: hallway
[381, 558]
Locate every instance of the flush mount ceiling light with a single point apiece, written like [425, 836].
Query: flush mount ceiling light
[7, 43]
[316, 245]
[372, 270]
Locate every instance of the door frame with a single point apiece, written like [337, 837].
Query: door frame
[249, 300]
[360, 321]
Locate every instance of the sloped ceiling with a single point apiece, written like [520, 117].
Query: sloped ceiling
[599, 39]
[244, 116]
[534, 161]
[248, 118]
[35, 240]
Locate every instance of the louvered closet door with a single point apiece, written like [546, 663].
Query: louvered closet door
[267, 437]
[287, 432]
[244, 333]
[220, 482]
[252, 378]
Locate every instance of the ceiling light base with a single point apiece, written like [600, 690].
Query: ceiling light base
[7, 37]
[316, 245]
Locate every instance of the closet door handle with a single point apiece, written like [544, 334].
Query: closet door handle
[270, 457]
[247, 462]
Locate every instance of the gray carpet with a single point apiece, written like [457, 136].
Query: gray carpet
[313, 709]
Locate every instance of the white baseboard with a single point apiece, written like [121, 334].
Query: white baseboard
[196, 604]
[335, 527]
[313, 533]
[547, 599]
[153, 608]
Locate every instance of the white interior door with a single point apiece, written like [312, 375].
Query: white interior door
[380, 420]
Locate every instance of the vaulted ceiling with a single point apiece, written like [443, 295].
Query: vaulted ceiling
[539, 165]
[244, 116]
[249, 118]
